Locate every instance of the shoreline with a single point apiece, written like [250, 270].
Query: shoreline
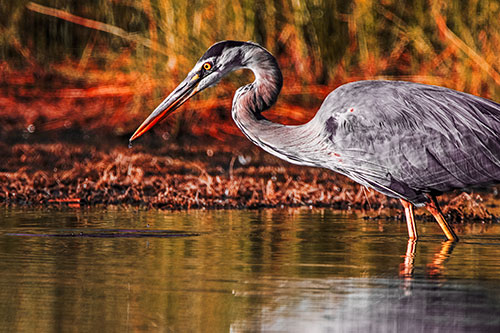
[196, 176]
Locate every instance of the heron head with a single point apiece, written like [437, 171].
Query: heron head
[220, 59]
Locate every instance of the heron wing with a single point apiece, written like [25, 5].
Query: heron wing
[405, 139]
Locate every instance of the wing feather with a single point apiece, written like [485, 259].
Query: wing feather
[412, 138]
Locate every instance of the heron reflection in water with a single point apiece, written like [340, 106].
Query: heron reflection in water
[406, 140]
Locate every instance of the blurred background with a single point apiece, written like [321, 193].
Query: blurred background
[87, 69]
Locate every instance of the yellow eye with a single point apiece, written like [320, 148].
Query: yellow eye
[207, 66]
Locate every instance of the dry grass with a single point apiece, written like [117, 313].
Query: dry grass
[56, 173]
[199, 176]
[122, 58]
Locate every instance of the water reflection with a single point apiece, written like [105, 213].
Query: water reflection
[435, 267]
[382, 305]
[282, 270]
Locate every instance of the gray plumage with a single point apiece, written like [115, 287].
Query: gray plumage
[400, 138]
[407, 140]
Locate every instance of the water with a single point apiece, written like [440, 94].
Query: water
[274, 270]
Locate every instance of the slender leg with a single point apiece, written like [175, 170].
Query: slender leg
[410, 219]
[434, 209]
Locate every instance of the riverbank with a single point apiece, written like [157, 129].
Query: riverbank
[193, 176]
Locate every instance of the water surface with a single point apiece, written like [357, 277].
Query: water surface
[275, 270]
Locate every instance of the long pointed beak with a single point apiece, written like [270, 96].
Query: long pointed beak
[183, 92]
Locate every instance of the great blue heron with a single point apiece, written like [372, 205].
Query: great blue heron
[406, 140]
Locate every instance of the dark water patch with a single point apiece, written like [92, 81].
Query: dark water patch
[110, 233]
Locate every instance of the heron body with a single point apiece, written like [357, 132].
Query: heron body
[406, 140]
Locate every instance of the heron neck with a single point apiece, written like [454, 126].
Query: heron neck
[291, 143]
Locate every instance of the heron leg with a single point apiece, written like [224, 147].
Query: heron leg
[410, 219]
[434, 209]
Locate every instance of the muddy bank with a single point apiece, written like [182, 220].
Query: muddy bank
[191, 176]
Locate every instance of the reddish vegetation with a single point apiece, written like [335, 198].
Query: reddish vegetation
[189, 177]
[174, 177]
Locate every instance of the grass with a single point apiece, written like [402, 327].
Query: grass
[199, 176]
[134, 52]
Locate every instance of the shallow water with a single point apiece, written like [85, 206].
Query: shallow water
[274, 270]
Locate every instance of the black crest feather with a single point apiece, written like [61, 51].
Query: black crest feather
[216, 49]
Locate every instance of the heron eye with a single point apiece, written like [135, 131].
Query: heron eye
[207, 66]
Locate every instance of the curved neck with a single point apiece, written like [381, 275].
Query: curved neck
[261, 94]
[291, 143]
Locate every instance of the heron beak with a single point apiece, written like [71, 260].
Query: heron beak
[184, 91]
